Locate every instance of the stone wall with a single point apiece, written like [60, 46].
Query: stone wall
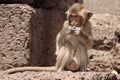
[14, 34]
[104, 56]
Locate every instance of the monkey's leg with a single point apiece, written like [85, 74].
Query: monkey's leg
[63, 57]
[59, 58]
[82, 57]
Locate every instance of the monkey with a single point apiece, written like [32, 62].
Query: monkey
[75, 39]
[72, 43]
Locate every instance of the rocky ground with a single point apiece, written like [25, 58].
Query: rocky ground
[66, 75]
[106, 49]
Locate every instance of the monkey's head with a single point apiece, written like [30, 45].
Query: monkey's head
[77, 15]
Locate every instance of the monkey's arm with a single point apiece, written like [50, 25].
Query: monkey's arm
[86, 36]
[59, 43]
[61, 38]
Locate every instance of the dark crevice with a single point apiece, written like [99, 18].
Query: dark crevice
[36, 4]
[44, 4]
[79, 1]
[119, 39]
[100, 45]
[117, 35]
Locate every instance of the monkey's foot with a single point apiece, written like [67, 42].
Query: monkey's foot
[84, 69]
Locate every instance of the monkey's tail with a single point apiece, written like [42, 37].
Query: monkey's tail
[20, 69]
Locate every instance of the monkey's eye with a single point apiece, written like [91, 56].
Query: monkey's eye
[74, 17]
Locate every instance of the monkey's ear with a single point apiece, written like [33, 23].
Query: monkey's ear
[89, 15]
[67, 12]
[81, 6]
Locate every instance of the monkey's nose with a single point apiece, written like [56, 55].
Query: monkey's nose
[73, 23]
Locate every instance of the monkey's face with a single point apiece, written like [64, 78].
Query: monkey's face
[75, 20]
[77, 15]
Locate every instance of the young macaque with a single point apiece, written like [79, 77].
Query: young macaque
[74, 39]
[72, 42]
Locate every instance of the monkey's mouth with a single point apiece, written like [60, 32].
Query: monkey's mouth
[73, 25]
[74, 28]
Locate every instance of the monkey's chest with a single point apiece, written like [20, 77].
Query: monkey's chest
[74, 40]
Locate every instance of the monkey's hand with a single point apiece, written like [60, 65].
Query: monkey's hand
[70, 29]
[77, 30]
